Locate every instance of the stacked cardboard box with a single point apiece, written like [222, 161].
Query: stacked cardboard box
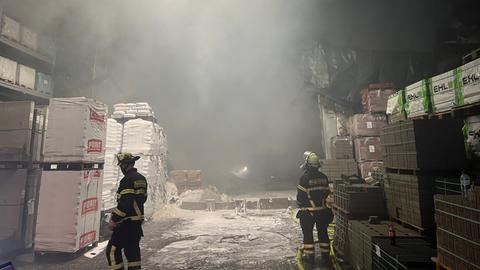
[366, 129]
[71, 185]
[375, 96]
[458, 231]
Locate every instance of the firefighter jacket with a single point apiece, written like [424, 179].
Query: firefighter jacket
[312, 191]
[131, 196]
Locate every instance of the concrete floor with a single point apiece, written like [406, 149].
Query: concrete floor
[179, 239]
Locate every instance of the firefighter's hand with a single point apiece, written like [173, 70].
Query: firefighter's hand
[112, 225]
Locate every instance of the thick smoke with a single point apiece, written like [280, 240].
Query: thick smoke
[224, 76]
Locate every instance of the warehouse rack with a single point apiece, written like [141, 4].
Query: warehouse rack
[14, 50]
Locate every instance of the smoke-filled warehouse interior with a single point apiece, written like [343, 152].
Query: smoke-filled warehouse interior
[230, 134]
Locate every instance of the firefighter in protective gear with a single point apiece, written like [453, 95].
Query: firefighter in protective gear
[312, 192]
[127, 217]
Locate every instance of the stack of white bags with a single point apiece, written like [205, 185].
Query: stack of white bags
[142, 138]
[132, 110]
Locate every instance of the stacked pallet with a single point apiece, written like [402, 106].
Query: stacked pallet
[71, 186]
[413, 160]
[458, 231]
[359, 200]
[366, 127]
[186, 179]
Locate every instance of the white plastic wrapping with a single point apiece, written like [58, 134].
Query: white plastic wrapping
[417, 100]
[442, 90]
[111, 174]
[8, 69]
[141, 137]
[468, 82]
[68, 210]
[76, 130]
[11, 28]
[26, 77]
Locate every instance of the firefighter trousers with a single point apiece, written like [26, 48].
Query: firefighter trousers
[126, 238]
[321, 219]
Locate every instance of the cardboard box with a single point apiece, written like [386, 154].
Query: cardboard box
[11, 28]
[368, 149]
[368, 124]
[8, 70]
[29, 38]
[76, 130]
[26, 77]
[417, 99]
[374, 98]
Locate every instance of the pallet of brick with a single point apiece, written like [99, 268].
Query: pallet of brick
[368, 124]
[407, 254]
[342, 147]
[72, 194]
[396, 107]
[362, 236]
[410, 199]
[417, 99]
[368, 149]
[443, 93]
[340, 238]
[458, 231]
[76, 130]
[432, 144]
[368, 168]
[468, 83]
[335, 168]
[375, 96]
[359, 200]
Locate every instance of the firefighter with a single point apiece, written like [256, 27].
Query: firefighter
[127, 217]
[312, 193]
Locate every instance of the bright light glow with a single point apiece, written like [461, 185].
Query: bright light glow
[245, 169]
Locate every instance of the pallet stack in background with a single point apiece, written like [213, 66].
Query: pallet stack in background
[68, 216]
[21, 150]
[186, 179]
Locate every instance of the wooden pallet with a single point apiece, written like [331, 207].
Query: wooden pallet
[439, 265]
[405, 224]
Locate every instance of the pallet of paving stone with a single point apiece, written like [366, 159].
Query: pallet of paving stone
[362, 236]
[360, 200]
[424, 145]
[334, 169]
[342, 147]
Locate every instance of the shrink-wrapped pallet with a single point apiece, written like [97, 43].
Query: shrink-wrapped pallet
[417, 99]
[368, 124]
[68, 209]
[76, 130]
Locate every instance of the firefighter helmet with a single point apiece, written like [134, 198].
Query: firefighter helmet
[126, 158]
[311, 160]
